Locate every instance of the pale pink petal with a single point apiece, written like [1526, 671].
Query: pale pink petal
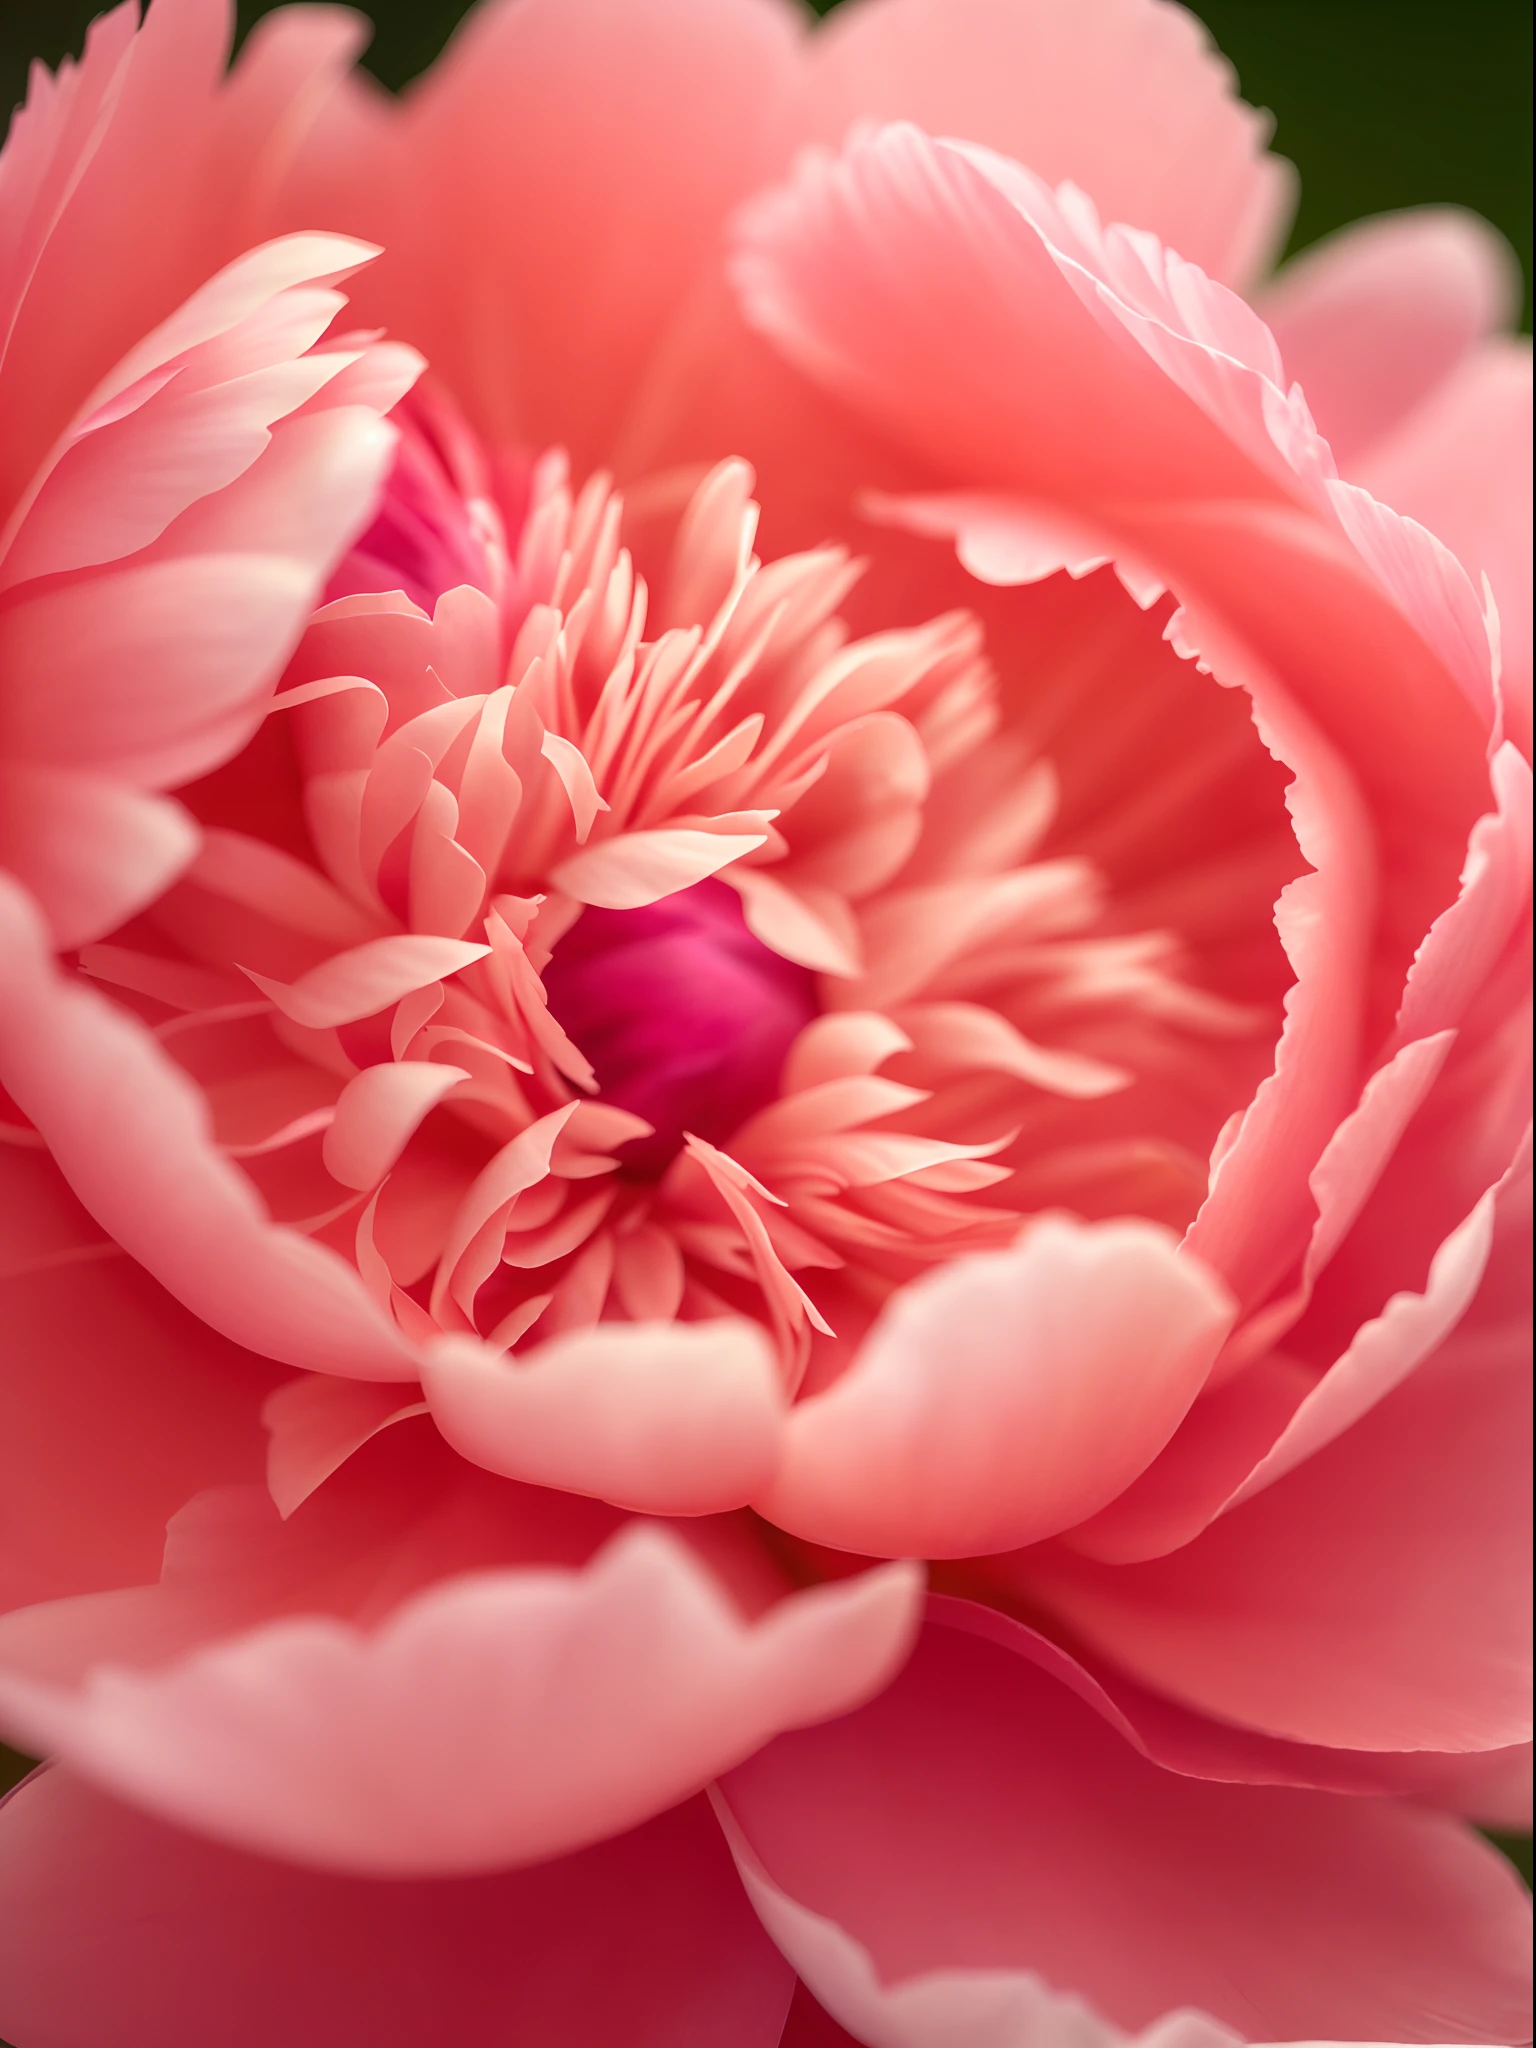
[1128, 100]
[131, 1135]
[90, 852]
[1376, 1597]
[1005, 1397]
[117, 1405]
[952, 1856]
[1373, 319]
[645, 1939]
[500, 1717]
[664, 1418]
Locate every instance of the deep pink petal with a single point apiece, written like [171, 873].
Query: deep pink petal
[118, 1928]
[974, 1832]
[1374, 318]
[118, 1405]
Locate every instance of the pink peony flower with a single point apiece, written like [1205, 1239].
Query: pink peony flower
[768, 1060]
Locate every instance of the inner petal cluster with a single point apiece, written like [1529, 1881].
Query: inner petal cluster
[685, 1016]
[647, 947]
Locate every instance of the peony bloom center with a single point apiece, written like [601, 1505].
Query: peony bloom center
[685, 1016]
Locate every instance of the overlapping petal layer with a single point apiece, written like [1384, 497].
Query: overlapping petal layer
[649, 1022]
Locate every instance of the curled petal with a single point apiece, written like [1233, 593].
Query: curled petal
[131, 1135]
[1004, 1398]
[664, 1418]
[498, 1718]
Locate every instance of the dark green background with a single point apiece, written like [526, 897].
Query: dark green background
[1380, 103]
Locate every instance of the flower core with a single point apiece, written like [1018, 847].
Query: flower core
[685, 1016]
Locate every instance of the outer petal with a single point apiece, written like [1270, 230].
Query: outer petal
[1004, 1398]
[499, 1715]
[1127, 99]
[955, 1852]
[91, 852]
[1461, 464]
[595, 147]
[130, 1134]
[664, 1418]
[117, 1405]
[644, 1939]
[1377, 1597]
[1373, 319]
[914, 281]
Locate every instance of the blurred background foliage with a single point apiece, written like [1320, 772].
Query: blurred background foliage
[1379, 103]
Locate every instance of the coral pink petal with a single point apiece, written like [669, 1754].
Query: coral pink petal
[1004, 1398]
[316, 1422]
[636, 868]
[663, 1418]
[1372, 320]
[596, 147]
[1376, 1597]
[867, 271]
[497, 1718]
[1272, 1416]
[645, 1939]
[130, 1133]
[1126, 98]
[117, 1405]
[1463, 945]
[1461, 465]
[91, 852]
[377, 1112]
[956, 1850]
[1183, 1740]
[81, 289]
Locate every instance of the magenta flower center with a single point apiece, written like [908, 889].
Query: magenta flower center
[685, 1016]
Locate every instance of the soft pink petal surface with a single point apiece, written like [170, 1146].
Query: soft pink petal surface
[1004, 1398]
[664, 1418]
[118, 1405]
[419, 1673]
[130, 1134]
[1376, 1597]
[1372, 320]
[645, 1938]
[979, 1824]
